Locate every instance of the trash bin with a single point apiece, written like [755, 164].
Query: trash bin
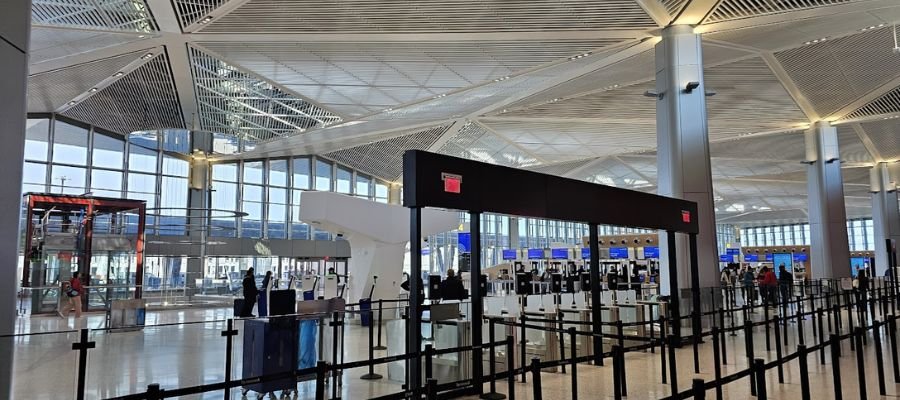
[308, 295]
[365, 315]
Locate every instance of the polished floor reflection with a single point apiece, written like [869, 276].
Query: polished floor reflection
[186, 348]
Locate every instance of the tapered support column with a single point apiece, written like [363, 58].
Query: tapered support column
[829, 250]
[15, 22]
[885, 213]
[683, 150]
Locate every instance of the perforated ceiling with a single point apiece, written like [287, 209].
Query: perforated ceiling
[737, 9]
[121, 15]
[143, 99]
[473, 141]
[384, 159]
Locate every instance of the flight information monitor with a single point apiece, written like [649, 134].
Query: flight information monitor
[559, 254]
[509, 254]
[535, 254]
[651, 252]
[618, 252]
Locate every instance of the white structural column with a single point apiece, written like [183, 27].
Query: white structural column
[885, 213]
[829, 250]
[14, 32]
[198, 216]
[683, 149]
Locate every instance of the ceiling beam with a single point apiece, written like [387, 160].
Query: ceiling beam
[218, 12]
[867, 142]
[656, 10]
[866, 99]
[512, 143]
[179, 60]
[632, 169]
[446, 136]
[529, 36]
[695, 12]
[583, 167]
[789, 85]
[99, 54]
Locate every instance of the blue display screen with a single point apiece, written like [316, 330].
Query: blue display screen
[465, 241]
[618, 252]
[780, 259]
[769, 257]
[426, 251]
[733, 252]
[725, 258]
[856, 264]
[651, 252]
[509, 254]
[585, 253]
[800, 257]
[535, 254]
[559, 254]
[749, 257]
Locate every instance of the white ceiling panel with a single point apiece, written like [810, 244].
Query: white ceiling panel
[51, 90]
[444, 16]
[119, 15]
[475, 142]
[53, 43]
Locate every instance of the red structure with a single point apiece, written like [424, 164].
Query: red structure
[64, 233]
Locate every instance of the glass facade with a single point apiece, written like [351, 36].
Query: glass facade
[860, 234]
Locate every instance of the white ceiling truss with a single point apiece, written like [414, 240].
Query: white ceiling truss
[554, 86]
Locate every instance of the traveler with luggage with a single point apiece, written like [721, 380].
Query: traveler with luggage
[72, 291]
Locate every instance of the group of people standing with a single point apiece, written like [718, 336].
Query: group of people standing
[771, 286]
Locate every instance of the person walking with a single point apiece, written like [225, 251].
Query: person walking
[771, 284]
[747, 286]
[250, 294]
[72, 290]
[785, 283]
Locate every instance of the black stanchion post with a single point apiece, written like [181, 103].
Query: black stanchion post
[522, 350]
[673, 371]
[229, 333]
[804, 372]
[879, 358]
[662, 356]
[850, 321]
[892, 335]
[778, 350]
[429, 361]
[617, 374]
[511, 367]
[821, 336]
[696, 334]
[320, 380]
[82, 346]
[622, 372]
[748, 341]
[759, 370]
[573, 362]
[768, 337]
[380, 311]
[492, 362]
[431, 388]
[372, 375]
[697, 388]
[835, 344]
[717, 368]
[536, 378]
[860, 361]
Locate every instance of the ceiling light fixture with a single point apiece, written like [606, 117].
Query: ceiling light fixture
[141, 36]
[72, 103]
[118, 74]
[92, 90]
[206, 20]
[146, 56]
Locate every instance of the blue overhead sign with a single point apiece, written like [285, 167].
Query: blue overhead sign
[510, 254]
[733, 252]
[769, 257]
[800, 257]
[535, 254]
[559, 254]
[465, 242]
[618, 252]
[651, 252]
[585, 253]
[725, 258]
[751, 257]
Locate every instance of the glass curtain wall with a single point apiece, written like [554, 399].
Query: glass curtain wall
[859, 232]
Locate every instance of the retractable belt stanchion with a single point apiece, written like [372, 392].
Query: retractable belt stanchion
[536, 378]
[673, 371]
[835, 366]
[804, 372]
[759, 370]
[860, 362]
[492, 362]
[617, 374]
[717, 368]
[229, 333]
[380, 312]
[523, 348]
[892, 335]
[82, 346]
[574, 362]
[696, 334]
[778, 350]
[748, 342]
[371, 375]
[429, 361]
[821, 336]
[697, 388]
[879, 357]
[320, 380]
[662, 356]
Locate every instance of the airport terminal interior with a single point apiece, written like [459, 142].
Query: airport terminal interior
[494, 199]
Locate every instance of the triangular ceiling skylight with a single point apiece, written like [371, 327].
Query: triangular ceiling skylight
[118, 15]
[236, 102]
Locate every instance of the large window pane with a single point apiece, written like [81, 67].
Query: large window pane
[301, 173]
[225, 172]
[70, 144]
[34, 177]
[253, 193]
[224, 197]
[225, 144]
[363, 186]
[177, 140]
[381, 192]
[68, 180]
[342, 184]
[251, 225]
[253, 172]
[141, 159]
[278, 173]
[323, 175]
[175, 166]
[109, 152]
[277, 214]
[173, 201]
[106, 183]
[37, 137]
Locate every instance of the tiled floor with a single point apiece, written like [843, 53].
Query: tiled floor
[190, 354]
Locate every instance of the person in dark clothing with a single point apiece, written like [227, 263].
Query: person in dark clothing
[405, 286]
[250, 294]
[785, 283]
[452, 288]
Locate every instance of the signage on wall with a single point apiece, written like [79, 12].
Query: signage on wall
[685, 216]
[465, 242]
[559, 254]
[651, 252]
[749, 257]
[733, 252]
[585, 253]
[535, 254]
[769, 257]
[452, 182]
[509, 254]
[800, 257]
[725, 258]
